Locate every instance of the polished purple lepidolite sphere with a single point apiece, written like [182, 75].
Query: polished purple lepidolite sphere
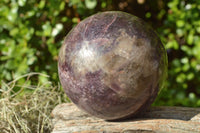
[112, 64]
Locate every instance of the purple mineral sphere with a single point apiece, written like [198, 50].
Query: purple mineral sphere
[112, 64]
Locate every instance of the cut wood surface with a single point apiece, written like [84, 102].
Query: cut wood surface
[67, 118]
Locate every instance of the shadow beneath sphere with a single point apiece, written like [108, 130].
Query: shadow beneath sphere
[164, 112]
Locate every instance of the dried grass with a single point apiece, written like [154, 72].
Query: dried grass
[28, 110]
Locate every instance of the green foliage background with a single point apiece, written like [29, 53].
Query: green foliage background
[32, 31]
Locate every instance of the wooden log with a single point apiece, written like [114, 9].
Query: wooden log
[67, 118]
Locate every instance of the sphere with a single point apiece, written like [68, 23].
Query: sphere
[112, 64]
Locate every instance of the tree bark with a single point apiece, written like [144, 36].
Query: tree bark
[67, 118]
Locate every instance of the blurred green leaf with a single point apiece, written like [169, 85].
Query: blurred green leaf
[180, 23]
[21, 2]
[57, 29]
[103, 4]
[47, 29]
[62, 5]
[90, 4]
[190, 38]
